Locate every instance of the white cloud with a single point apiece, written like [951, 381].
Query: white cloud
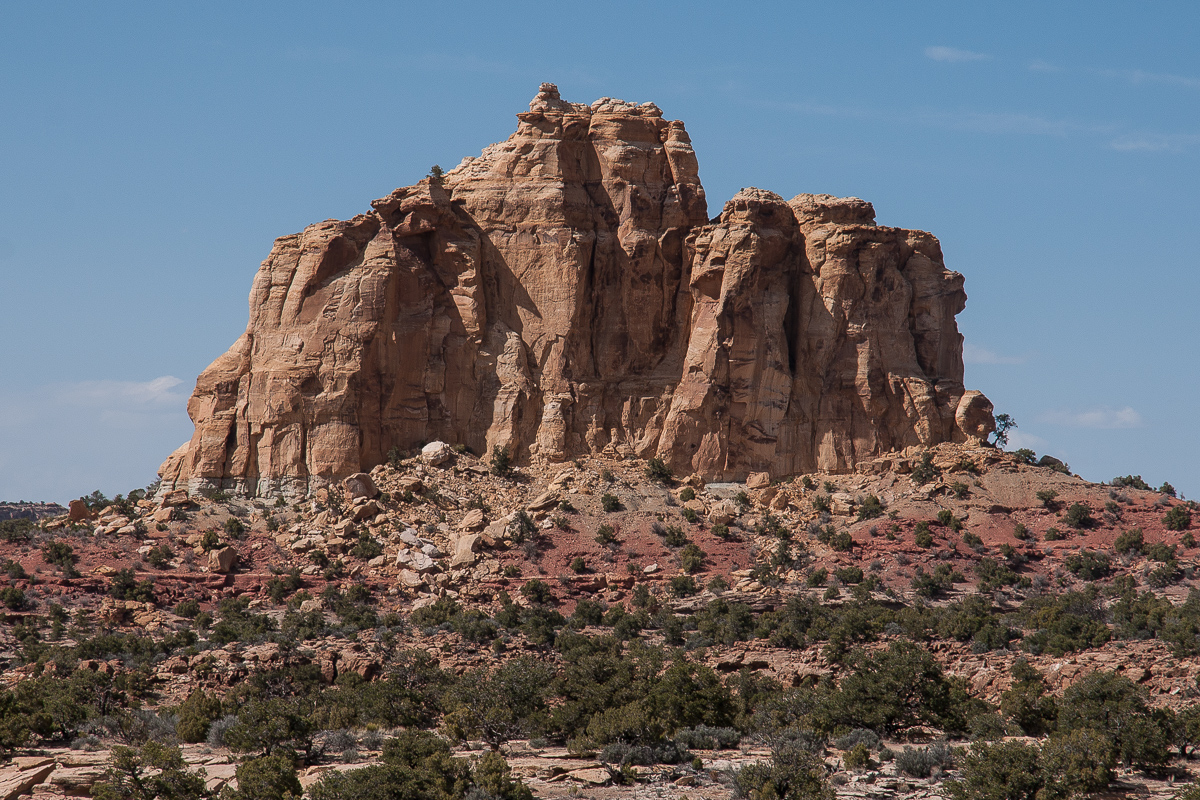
[1103, 418]
[953, 55]
[1154, 142]
[1017, 440]
[973, 354]
[120, 395]
[1138, 77]
[1038, 65]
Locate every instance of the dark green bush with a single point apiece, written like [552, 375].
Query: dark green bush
[691, 558]
[536, 591]
[1178, 518]
[870, 508]
[1089, 565]
[501, 463]
[1131, 541]
[658, 471]
[125, 586]
[1131, 482]
[1079, 516]
[924, 471]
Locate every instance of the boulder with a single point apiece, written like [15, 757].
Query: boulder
[223, 560]
[365, 511]
[465, 548]
[758, 480]
[474, 520]
[77, 511]
[178, 497]
[358, 485]
[436, 454]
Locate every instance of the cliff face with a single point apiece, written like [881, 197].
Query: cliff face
[566, 294]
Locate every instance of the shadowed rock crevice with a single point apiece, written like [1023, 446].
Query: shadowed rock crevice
[565, 293]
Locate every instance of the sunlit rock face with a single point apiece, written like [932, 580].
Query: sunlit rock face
[566, 294]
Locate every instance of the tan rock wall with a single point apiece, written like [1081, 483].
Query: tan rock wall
[566, 294]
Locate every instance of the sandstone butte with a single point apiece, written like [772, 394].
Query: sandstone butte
[566, 294]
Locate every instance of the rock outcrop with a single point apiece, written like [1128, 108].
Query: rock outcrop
[565, 293]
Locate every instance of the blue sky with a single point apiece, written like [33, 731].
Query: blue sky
[150, 153]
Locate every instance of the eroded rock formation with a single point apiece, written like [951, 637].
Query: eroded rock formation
[565, 293]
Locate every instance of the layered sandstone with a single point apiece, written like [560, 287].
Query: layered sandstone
[566, 294]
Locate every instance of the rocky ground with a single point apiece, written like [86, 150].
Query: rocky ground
[441, 524]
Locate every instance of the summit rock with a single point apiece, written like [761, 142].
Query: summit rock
[566, 294]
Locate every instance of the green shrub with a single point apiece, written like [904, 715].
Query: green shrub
[1046, 497]
[689, 514]
[1025, 456]
[1131, 541]
[658, 471]
[849, 575]
[234, 527]
[270, 777]
[683, 586]
[960, 490]
[821, 503]
[188, 608]
[870, 508]
[1179, 518]
[1054, 535]
[160, 556]
[946, 517]
[857, 757]
[152, 771]
[726, 622]
[13, 597]
[897, 688]
[687, 493]
[793, 773]
[578, 565]
[922, 536]
[924, 471]
[58, 553]
[817, 577]
[842, 542]
[936, 583]
[1114, 706]
[1131, 482]
[721, 531]
[691, 558]
[367, 547]
[610, 502]
[1064, 623]
[501, 462]
[125, 586]
[1079, 516]
[672, 535]
[1089, 565]
[1000, 771]
[195, 715]
[496, 706]
[536, 591]
[16, 531]
[605, 534]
